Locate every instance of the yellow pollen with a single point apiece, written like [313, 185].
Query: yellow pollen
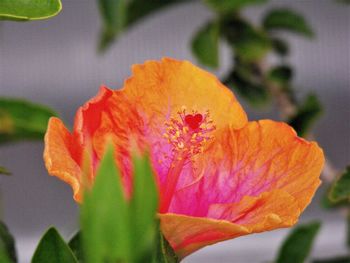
[188, 133]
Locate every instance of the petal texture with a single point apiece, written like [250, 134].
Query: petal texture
[261, 157]
[269, 211]
[59, 156]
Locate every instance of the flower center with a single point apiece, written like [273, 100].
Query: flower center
[187, 135]
[193, 121]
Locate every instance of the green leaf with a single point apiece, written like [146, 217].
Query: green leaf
[249, 43]
[297, 246]
[143, 207]
[328, 204]
[306, 115]
[341, 259]
[114, 229]
[280, 46]
[4, 171]
[343, 1]
[348, 230]
[205, 45]
[228, 6]
[119, 14]
[24, 10]
[246, 82]
[76, 247]
[340, 190]
[7, 245]
[138, 9]
[52, 248]
[281, 75]
[104, 217]
[289, 20]
[113, 13]
[22, 120]
[164, 252]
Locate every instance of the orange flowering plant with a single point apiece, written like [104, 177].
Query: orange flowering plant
[218, 176]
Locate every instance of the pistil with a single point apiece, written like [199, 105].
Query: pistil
[188, 135]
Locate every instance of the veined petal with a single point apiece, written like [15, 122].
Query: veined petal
[161, 88]
[187, 234]
[251, 211]
[59, 156]
[261, 157]
[271, 210]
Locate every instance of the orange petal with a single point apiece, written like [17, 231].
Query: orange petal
[161, 88]
[251, 212]
[59, 156]
[269, 211]
[187, 234]
[261, 157]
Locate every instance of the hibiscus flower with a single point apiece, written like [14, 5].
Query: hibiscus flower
[219, 176]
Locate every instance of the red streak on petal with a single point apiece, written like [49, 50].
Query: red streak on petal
[170, 185]
[193, 121]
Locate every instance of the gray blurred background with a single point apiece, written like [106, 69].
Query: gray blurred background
[54, 62]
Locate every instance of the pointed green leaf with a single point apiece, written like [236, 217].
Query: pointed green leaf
[164, 252]
[104, 216]
[143, 206]
[119, 14]
[4, 171]
[138, 9]
[7, 245]
[340, 190]
[249, 43]
[228, 6]
[289, 20]
[296, 248]
[76, 247]
[341, 259]
[205, 45]
[280, 46]
[22, 120]
[306, 115]
[52, 248]
[281, 75]
[24, 10]
[113, 13]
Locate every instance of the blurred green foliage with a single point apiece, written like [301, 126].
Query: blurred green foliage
[105, 218]
[52, 248]
[340, 190]
[22, 120]
[297, 246]
[117, 15]
[287, 20]
[306, 115]
[229, 6]
[24, 10]
[115, 229]
[75, 245]
[4, 171]
[7, 245]
[342, 259]
[245, 79]
[205, 44]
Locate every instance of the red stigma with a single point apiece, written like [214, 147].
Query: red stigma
[194, 121]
